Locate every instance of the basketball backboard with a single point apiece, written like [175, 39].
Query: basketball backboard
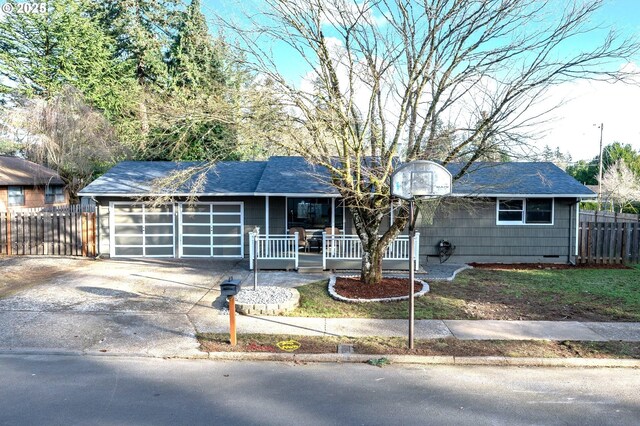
[420, 178]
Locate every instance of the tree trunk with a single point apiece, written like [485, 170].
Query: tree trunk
[372, 257]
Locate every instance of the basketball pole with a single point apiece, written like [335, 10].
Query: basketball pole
[411, 274]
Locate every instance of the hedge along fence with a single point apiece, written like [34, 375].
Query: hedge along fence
[60, 231]
[608, 242]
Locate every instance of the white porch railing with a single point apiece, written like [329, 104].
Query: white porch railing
[349, 247]
[273, 247]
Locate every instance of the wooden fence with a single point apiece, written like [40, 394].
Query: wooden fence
[59, 231]
[602, 216]
[608, 242]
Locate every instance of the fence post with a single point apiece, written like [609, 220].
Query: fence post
[9, 233]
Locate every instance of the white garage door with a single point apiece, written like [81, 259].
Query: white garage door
[211, 230]
[142, 231]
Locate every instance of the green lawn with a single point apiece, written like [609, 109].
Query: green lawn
[540, 294]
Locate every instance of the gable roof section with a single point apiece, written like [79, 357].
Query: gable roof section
[516, 179]
[291, 176]
[294, 175]
[135, 178]
[18, 171]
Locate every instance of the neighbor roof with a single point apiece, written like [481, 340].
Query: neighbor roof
[18, 171]
[290, 176]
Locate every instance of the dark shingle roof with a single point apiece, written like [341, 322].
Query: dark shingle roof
[137, 177]
[497, 179]
[294, 175]
[18, 171]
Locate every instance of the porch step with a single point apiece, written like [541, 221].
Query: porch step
[310, 269]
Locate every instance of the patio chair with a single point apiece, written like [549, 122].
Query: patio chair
[330, 231]
[302, 237]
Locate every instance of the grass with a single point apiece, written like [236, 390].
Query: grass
[529, 294]
[213, 342]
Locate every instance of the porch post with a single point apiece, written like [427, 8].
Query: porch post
[333, 212]
[266, 223]
[324, 251]
[251, 247]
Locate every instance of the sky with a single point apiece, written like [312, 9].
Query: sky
[574, 127]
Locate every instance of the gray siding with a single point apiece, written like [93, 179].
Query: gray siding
[477, 238]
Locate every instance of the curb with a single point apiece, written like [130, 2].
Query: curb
[496, 361]
[428, 360]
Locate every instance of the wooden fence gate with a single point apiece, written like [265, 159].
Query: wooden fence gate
[608, 242]
[59, 231]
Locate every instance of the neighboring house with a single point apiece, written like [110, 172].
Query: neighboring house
[24, 184]
[498, 212]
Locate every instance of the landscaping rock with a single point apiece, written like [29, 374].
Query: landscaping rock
[267, 300]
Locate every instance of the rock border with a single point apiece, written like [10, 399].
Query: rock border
[270, 308]
[335, 295]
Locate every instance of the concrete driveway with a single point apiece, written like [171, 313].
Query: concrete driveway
[138, 307]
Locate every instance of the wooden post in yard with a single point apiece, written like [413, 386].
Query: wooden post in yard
[8, 233]
[232, 321]
[84, 233]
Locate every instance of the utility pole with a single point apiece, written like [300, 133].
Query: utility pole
[601, 127]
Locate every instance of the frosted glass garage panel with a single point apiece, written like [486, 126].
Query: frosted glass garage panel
[198, 208]
[126, 240]
[196, 251]
[196, 241]
[128, 219]
[129, 229]
[226, 251]
[159, 251]
[158, 218]
[227, 230]
[227, 240]
[158, 229]
[193, 218]
[129, 251]
[226, 218]
[155, 240]
[226, 208]
[127, 208]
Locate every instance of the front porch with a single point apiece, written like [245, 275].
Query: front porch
[336, 252]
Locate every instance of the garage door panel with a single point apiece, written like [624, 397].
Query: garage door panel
[158, 230]
[226, 219]
[159, 251]
[227, 229]
[158, 219]
[129, 251]
[226, 208]
[127, 208]
[139, 230]
[125, 219]
[158, 240]
[226, 251]
[133, 240]
[196, 240]
[129, 229]
[196, 251]
[214, 226]
[227, 240]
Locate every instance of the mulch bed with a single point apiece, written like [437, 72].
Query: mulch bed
[520, 266]
[353, 288]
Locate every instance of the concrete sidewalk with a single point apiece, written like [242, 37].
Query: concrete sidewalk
[427, 329]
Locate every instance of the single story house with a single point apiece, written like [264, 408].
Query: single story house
[497, 212]
[24, 184]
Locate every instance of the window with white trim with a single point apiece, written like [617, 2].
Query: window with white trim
[525, 211]
[16, 196]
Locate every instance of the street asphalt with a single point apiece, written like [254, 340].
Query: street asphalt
[155, 308]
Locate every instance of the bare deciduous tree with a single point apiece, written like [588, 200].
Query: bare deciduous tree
[620, 186]
[67, 135]
[447, 80]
